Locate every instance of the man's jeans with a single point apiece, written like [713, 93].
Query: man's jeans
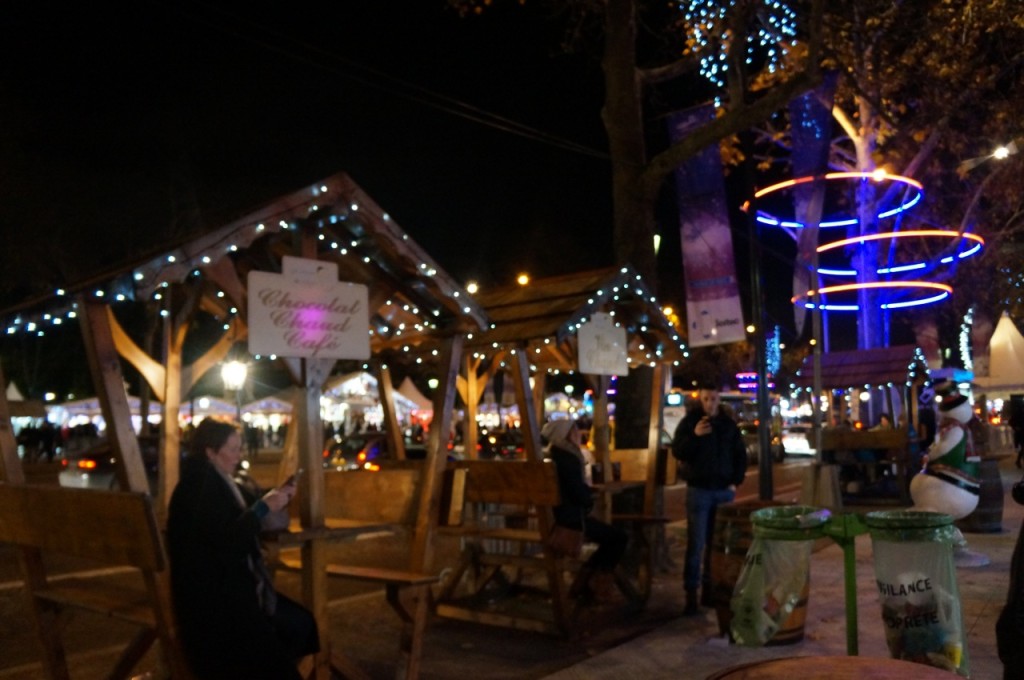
[700, 521]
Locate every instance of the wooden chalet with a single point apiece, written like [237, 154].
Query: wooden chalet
[900, 371]
[418, 316]
[534, 330]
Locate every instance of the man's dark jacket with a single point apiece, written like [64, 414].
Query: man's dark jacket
[715, 460]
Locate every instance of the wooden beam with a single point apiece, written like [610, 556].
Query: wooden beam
[10, 465]
[471, 397]
[437, 455]
[237, 331]
[545, 519]
[601, 425]
[392, 430]
[170, 441]
[224, 275]
[540, 380]
[524, 400]
[151, 370]
[109, 382]
[658, 384]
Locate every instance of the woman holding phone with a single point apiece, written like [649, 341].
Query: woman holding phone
[231, 621]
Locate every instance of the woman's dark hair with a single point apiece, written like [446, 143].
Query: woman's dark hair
[211, 434]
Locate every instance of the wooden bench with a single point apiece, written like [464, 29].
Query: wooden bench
[109, 528]
[890, 447]
[508, 514]
[386, 501]
[644, 517]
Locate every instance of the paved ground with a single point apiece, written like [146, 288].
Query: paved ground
[655, 643]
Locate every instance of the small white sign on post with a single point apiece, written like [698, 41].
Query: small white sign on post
[306, 312]
[602, 347]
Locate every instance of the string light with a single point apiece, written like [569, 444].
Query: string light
[712, 36]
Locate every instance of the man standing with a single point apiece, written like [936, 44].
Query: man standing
[709, 444]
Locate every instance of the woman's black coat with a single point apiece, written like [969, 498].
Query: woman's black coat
[210, 540]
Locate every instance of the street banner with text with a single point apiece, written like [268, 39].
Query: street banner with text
[714, 315]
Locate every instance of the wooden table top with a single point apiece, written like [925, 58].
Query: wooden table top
[334, 529]
[832, 668]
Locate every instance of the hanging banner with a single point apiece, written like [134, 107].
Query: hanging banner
[713, 312]
[306, 312]
[810, 118]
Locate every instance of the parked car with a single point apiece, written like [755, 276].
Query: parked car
[797, 439]
[503, 444]
[96, 467]
[752, 440]
[356, 451]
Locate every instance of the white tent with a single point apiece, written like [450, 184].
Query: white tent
[22, 408]
[1005, 362]
[408, 390]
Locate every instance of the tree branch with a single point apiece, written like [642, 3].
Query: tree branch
[735, 121]
[666, 72]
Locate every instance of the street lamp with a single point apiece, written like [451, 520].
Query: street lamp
[233, 373]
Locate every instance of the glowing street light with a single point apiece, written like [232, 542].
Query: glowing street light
[234, 373]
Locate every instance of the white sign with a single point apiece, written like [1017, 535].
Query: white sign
[308, 313]
[602, 347]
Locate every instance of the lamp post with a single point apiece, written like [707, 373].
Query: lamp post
[234, 373]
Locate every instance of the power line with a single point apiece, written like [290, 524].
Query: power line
[379, 80]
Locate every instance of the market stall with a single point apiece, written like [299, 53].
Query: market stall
[337, 236]
[874, 463]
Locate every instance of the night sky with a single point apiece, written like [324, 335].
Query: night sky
[134, 125]
[126, 129]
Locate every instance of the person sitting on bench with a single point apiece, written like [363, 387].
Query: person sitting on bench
[232, 623]
[596, 580]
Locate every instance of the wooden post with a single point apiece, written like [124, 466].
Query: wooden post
[105, 367]
[437, 456]
[545, 519]
[540, 380]
[472, 400]
[310, 432]
[392, 429]
[602, 424]
[10, 466]
[170, 442]
[524, 400]
[651, 490]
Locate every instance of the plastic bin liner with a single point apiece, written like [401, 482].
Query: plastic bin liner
[776, 571]
[917, 588]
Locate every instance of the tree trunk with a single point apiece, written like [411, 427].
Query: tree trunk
[633, 213]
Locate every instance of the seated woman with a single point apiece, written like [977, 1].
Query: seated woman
[562, 445]
[231, 621]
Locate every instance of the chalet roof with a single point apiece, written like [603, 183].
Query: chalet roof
[411, 297]
[856, 368]
[545, 315]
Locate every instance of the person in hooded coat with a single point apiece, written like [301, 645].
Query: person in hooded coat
[562, 445]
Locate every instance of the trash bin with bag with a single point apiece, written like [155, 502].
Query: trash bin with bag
[917, 588]
[769, 602]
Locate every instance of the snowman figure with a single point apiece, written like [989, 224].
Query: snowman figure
[948, 481]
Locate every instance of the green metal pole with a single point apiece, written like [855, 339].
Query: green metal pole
[844, 530]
